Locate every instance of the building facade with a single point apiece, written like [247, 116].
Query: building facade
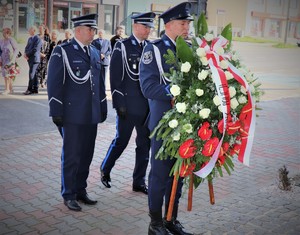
[271, 19]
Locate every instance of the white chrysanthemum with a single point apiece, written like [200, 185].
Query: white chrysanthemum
[219, 50]
[232, 91]
[217, 100]
[173, 123]
[203, 74]
[224, 64]
[243, 90]
[234, 57]
[185, 67]
[228, 75]
[242, 99]
[175, 90]
[204, 113]
[204, 61]
[201, 52]
[195, 108]
[208, 37]
[188, 128]
[176, 136]
[181, 107]
[199, 92]
[234, 103]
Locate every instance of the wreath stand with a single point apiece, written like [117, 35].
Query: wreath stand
[190, 194]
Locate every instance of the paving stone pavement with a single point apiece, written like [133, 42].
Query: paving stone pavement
[247, 202]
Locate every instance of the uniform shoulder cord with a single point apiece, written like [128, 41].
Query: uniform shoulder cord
[157, 55]
[126, 66]
[76, 79]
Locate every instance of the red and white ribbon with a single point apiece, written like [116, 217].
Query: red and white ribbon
[221, 84]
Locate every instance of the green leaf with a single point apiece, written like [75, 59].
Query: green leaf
[220, 171]
[227, 33]
[170, 57]
[183, 51]
[202, 25]
[226, 168]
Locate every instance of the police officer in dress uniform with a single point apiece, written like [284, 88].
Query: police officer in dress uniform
[129, 102]
[77, 101]
[156, 88]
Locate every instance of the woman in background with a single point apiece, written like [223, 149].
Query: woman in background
[9, 52]
[54, 42]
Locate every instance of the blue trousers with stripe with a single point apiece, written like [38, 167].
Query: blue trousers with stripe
[77, 154]
[124, 130]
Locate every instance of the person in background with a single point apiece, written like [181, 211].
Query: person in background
[54, 42]
[9, 51]
[156, 88]
[131, 106]
[47, 35]
[33, 57]
[68, 35]
[104, 47]
[42, 68]
[120, 30]
[77, 102]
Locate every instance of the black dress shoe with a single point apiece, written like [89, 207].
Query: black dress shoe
[141, 188]
[105, 179]
[72, 205]
[28, 92]
[86, 199]
[175, 227]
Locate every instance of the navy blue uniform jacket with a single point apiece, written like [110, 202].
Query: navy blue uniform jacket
[124, 78]
[154, 86]
[77, 100]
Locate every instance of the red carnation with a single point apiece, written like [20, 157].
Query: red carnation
[186, 169]
[210, 147]
[204, 132]
[187, 149]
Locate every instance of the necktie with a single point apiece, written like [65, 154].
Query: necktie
[142, 45]
[86, 50]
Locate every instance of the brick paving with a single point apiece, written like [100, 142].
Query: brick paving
[247, 202]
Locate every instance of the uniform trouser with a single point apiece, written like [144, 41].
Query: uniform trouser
[160, 183]
[33, 80]
[124, 130]
[77, 155]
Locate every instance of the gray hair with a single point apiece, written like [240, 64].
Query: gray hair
[70, 31]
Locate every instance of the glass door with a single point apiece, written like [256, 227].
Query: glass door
[74, 12]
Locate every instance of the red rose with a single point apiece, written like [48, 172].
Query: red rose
[187, 149]
[210, 147]
[204, 132]
[186, 169]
